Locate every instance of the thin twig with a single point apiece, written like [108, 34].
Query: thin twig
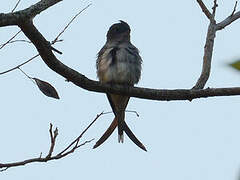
[19, 40]
[32, 79]
[214, 8]
[16, 6]
[18, 66]
[4, 169]
[10, 39]
[25, 73]
[77, 139]
[84, 143]
[109, 112]
[57, 51]
[59, 156]
[53, 136]
[56, 39]
[135, 112]
[234, 9]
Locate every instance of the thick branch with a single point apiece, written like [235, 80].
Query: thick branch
[208, 48]
[29, 13]
[228, 21]
[80, 80]
[207, 58]
[45, 51]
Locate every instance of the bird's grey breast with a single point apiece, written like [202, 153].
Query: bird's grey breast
[119, 64]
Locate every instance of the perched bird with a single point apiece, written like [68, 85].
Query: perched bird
[119, 62]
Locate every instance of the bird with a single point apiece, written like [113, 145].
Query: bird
[119, 62]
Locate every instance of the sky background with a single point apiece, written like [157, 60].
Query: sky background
[185, 140]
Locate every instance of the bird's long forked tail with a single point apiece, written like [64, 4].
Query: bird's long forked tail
[132, 136]
[127, 130]
[107, 133]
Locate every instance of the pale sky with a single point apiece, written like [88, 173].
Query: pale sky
[185, 140]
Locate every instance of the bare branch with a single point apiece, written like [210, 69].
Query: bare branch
[78, 138]
[207, 58]
[208, 48]
[80, 80]
[228, 21]
[205, 9]
[49, 157]
[29, 13]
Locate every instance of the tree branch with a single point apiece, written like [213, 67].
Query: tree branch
[230, 19]
[207, 57]
[45, 51]
[80, 80]
[234, 9]
[205, 9]
[28, 13]
[53, 135]
[208, 48]
[215, 5]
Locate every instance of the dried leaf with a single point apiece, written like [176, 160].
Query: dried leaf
[46, 88]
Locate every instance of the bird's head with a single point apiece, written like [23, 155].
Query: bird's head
[119, 32]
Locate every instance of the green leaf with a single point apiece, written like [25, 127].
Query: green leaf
[236, 65]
